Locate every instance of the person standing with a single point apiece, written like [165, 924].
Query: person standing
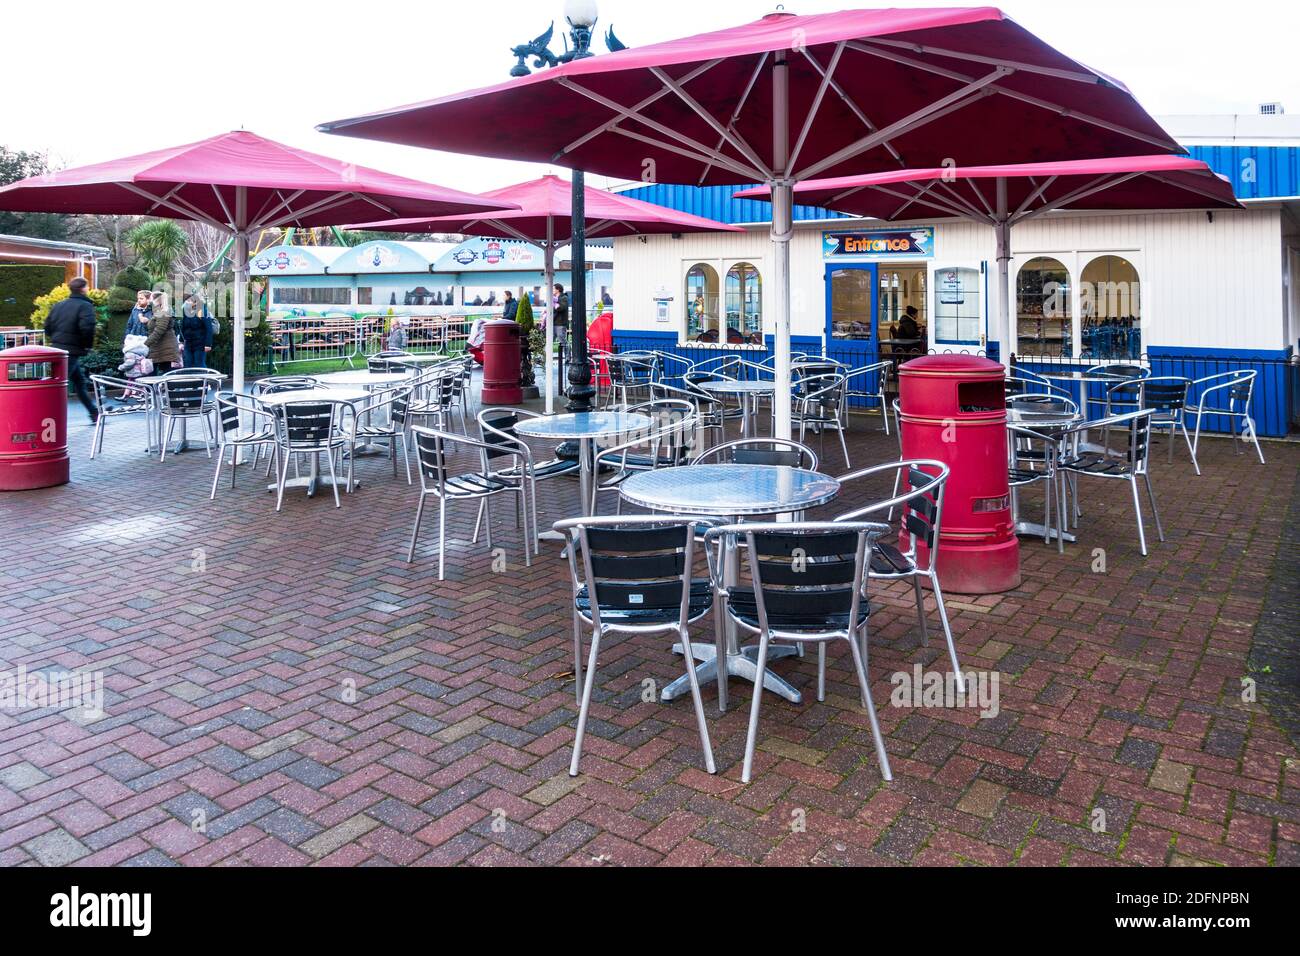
[561, 310]
[164, 350]
[195, 332]
[138, 323]
[71, 326]
[509, 308]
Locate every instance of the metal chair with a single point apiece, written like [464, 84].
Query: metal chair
[632, 575]
[921, 503]
[1166, 396]
[631, 376]
[1240, 389]
[309, 427]
[186, 397]
[867, 393]
[282, 383]
[708, 408]
[389, 361]
[1129, 467]
[232, 411]
[384, 417]
[1124, 394]
[820, 406]
[804, 582]
[116, 398]
[665, 444]
[760, 451]
[497, 430]
[436, 479]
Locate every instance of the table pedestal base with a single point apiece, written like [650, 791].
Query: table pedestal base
[742, 664]
[1028, 529]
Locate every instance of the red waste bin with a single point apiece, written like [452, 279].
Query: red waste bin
[33, 418]
[501, 363]
[953, 409]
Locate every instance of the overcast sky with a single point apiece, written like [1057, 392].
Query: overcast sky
[152, 73]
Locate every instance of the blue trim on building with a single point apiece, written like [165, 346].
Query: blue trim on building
[1256, 172]
[716, 203]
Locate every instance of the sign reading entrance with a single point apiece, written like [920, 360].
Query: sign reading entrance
[915, 243]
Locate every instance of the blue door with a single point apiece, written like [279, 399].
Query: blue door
[851, 313]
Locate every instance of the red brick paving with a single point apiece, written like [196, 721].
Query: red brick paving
[226, 694]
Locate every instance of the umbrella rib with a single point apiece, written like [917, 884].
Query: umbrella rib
[179, 206]
[853, 107]
[735, 114]
[1033, 197]
[624, 113]
[827, 74]
[268, 211]
[738, 142]
[1013, 94]
[1083, 192]
[1073, 75]
[927, 114]
[975, 188]
[954, 203]
[716, 158]
[1186, 187]
[216, 191]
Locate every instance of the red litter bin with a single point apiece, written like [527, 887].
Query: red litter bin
[953, 410]
[501, 363]
[33, 418]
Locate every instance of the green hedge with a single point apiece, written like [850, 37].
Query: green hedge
[20, 285]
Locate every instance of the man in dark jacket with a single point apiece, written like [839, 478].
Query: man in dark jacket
[195, 332]
[510, 308]
[71, 327]
[561, 307]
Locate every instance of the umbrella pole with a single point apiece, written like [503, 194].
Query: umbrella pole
[782, 227]
[241, 289]
[1003, 229]
[550, 325]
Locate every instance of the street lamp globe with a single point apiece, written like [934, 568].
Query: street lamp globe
[580, 13]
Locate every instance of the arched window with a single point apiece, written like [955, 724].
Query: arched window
[1110, 302]
[745, 300]
[1043, 321]
[702, 322]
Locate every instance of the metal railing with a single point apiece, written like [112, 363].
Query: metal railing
[350, 338]
[12, 338]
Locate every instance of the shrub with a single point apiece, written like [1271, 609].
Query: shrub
[133, 279]
[19, 287]
[525, 316]
[46, 302]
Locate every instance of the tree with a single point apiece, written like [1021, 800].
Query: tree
[16, 165]
[205, 244]
[158, 243]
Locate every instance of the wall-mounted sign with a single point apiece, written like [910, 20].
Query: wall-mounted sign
[917, 243]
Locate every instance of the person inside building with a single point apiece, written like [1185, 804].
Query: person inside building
[71, 326]
[907, 327]
[509, 307]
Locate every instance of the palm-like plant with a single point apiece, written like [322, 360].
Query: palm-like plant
[157, 245]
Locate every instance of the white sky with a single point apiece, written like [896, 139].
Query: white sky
[152, 73]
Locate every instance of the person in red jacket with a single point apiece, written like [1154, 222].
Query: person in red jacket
[71, 326]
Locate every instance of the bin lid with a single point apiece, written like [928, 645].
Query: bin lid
[31, 353]
[955, 364]
[500, 322]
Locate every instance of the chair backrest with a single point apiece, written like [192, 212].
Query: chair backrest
[1166, 394]
[430, 456]
[183, 394]
[497, 429]
[670, 434]
[805, 577]
[283, 383]
[760, 451]
[307, 424]
[921, 490]
[107, 388]
[827, 390]
[637, 564]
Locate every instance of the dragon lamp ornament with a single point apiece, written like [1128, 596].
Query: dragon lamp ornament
[581, 17]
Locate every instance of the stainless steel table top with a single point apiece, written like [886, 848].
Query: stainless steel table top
[155, 379]
[738, 385]
[362, 378]
[1027, 416]
[315, 395]
[1077, 376]
[583, 425]
[730, 490]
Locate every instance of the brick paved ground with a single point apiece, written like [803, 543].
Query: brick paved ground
[227, 695]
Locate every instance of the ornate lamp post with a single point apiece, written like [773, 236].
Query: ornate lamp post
[581, 16]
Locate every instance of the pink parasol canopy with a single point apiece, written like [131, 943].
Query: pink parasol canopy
[239, 183]
[545, 217]
[1003, 196]
[790, 98]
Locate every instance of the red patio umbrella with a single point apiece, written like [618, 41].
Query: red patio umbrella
[544, 217]
[239, 183]
[1003, 196]
[789, 98]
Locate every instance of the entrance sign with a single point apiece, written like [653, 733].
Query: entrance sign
[917, 243]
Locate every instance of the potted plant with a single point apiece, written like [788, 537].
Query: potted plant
[527, 330]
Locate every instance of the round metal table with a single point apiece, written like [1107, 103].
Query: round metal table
[585, 428]
[748, 390]
[153, 418]
[731, 491]
[361, 378]
[313, 480]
